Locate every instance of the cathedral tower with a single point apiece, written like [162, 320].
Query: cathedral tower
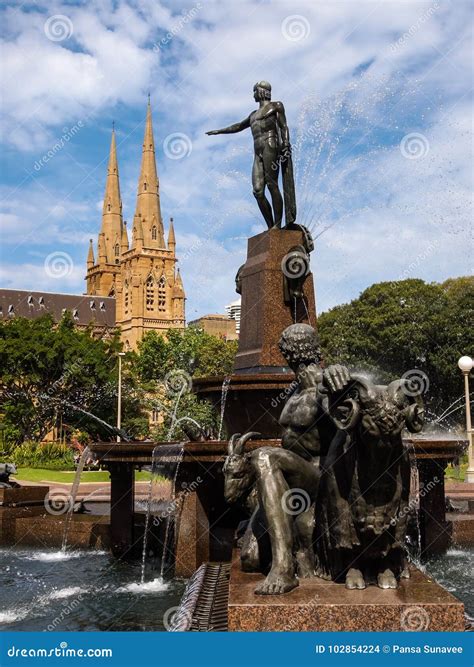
[102, 277]
[142, 276]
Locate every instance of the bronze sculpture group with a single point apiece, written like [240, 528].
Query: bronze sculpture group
[333, 500]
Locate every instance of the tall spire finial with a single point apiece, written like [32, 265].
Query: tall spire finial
[112, 208]
[148, 197]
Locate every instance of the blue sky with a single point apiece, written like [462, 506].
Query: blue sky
[378, 97]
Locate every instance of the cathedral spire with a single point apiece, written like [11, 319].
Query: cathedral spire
[171, 237]
[112, 208]
[90, 255]
[148, 195]
[124, 240]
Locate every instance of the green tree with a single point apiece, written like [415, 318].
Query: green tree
[394, 327]
[49, 370]
[191, 350]
[165, 367]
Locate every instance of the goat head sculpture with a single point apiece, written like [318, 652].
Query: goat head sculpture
[238, 472]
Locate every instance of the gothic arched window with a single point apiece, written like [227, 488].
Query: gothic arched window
[162, 294]
[154, 233]
[150, 294]
[117, 250]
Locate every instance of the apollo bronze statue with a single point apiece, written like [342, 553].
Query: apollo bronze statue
[271, 140]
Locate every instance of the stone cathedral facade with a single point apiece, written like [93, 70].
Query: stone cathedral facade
[140, 273]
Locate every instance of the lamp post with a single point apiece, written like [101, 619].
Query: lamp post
[465, 364]
[119, 395]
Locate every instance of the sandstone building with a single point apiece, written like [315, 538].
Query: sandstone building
[140, 273]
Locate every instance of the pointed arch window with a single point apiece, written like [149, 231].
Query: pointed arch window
[144, 186]
[117, 250]
[162, 295]
[154, 233]
[150, 294]
[108, 206]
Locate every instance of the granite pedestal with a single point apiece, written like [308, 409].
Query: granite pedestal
[320, 606]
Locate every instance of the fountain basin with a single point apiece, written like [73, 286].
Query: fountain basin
[207, 524]
[255, 399]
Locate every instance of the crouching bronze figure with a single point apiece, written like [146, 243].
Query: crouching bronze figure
[333, 500]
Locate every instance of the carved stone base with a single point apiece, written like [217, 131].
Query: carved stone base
[320, 606]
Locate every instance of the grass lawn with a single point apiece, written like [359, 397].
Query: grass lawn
[457, 475]
[42, 475]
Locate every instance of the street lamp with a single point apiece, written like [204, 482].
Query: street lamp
[119, 395]
[466, 364]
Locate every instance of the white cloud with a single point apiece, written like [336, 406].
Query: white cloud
[378, 207]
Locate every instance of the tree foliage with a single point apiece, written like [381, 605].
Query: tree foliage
[191, 350]
[394, 327]
[47, 369]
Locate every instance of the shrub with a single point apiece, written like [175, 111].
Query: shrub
[49, 455]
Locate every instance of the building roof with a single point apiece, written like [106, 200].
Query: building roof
[211, 316]
[85, 309]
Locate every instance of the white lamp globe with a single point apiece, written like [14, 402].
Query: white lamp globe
[465, 364]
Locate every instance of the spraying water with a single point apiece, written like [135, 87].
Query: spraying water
[225, 391]
[72, 500]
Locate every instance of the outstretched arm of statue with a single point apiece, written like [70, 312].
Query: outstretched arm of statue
[236, 127]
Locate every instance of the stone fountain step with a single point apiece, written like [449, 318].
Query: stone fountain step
[316, 605]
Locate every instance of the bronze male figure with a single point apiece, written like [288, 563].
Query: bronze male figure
[271, 139]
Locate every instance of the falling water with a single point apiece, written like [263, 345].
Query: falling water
[416, 556]
[148, 511]
[173, 514]
[225, 390]
[72, 498]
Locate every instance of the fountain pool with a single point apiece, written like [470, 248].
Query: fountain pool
[81, 591]
[453, 570]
